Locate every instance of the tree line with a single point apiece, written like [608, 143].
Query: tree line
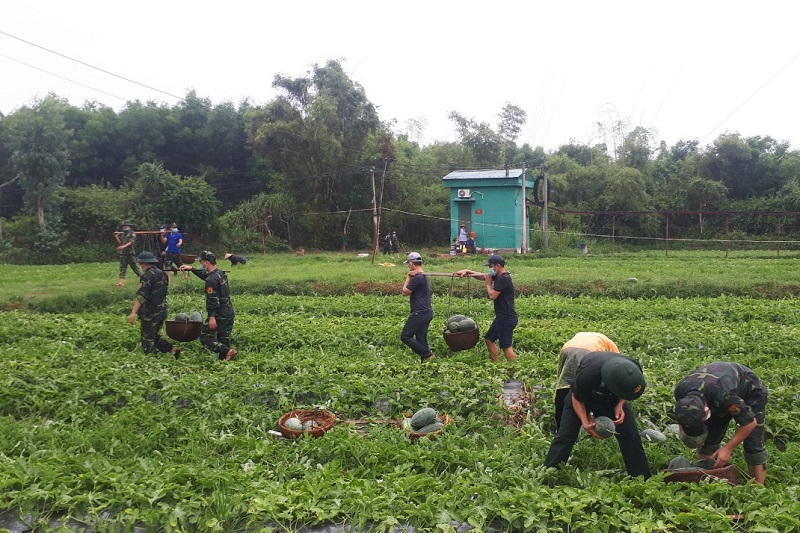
[299, 171]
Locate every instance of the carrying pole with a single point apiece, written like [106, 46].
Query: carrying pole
[452, 274]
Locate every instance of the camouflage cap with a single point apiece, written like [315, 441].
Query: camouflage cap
[207, 255]
[690, 413]
[694, 441]
[147, 257]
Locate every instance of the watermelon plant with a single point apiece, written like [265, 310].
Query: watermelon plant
[94, 430]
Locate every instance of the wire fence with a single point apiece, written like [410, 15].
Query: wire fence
[724, 231]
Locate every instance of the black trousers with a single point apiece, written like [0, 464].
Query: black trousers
[415, 333]
[630, 442]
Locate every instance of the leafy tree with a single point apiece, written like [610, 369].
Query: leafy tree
[512, 118]
[635, 151]
[672, 168]
[91, 213]
[97, 155]
[584, 154]
[160, 197]
[748, 167]
[705, 195]
[265, 218]
[38, 140]
[485, 144]
[315, 135]
[145, 133]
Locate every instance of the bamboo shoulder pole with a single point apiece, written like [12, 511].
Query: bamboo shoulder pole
[452, 275]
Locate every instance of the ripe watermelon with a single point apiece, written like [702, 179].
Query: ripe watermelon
[293, 423]
[432, 427]
[453, 321]
[467, 325]
[604, 427]
[679, 463]
[423, 417]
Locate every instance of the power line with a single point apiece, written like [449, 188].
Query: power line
[88, 65]
[751, 96]
[64, 78]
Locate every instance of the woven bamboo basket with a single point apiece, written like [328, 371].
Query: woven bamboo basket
[432, 435]
[461, 340]
[183, 331]
[696, 475]
[323, 418]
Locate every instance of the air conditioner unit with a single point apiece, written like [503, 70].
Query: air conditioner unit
[463, 193]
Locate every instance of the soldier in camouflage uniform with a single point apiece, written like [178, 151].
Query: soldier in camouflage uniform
[125, 241]
[150, 306]
[708, 399]
[216, 332]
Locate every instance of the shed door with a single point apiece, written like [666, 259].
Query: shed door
[465, 214]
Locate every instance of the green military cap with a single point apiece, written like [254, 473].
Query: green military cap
[146, 257]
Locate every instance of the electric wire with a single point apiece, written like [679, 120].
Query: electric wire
[64, 78]
[715, 128]
[90, 66]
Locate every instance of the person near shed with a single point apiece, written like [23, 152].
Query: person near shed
[125, 244]
[235, 259]
[604, 384]
[572, 352]
[150, 305]
[417, 287]
[705, 403]
[500, 290]
[172, 253]
[395, 243]
[463, 237]
[216, 332]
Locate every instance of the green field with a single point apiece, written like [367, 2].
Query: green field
[95, 435]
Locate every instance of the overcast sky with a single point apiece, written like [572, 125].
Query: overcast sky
[689, 69]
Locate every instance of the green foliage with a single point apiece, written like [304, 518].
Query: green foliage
[92, 213]
[37, 138]
[116, 438]
[160, 196]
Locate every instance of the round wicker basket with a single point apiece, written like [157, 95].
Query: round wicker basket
[323, 418]
[183, 331]
[432, 435]
[695, 475]
[461, 340]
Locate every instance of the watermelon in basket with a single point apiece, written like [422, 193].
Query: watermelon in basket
[461, 333]
[314, 422]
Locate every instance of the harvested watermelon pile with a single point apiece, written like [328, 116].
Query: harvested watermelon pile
[195, 316]
[459, 323]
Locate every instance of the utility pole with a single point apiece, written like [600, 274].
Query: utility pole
[524, 239]
[374, 216]
[545, 228]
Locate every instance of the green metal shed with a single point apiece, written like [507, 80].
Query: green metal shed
[490, 203]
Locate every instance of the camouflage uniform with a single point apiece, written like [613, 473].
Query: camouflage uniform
[152, 294]
[218, 305]
[127, 256]
[732, 391]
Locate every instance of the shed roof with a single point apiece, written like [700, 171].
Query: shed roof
[483, 174]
